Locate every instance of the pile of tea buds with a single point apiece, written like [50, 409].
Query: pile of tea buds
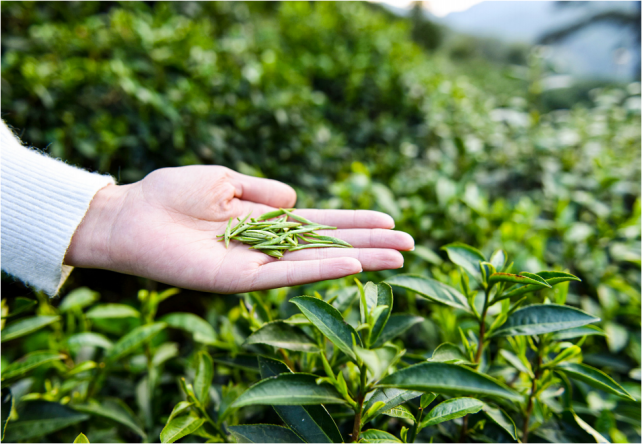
[273, 234]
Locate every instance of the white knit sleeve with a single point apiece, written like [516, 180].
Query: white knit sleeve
[43, 202]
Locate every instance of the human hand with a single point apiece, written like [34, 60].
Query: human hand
[164, 228]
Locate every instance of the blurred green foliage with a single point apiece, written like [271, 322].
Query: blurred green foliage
[337, 100]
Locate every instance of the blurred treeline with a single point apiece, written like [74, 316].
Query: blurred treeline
[342, 102]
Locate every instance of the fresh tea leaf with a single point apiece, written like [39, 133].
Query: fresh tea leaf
[594, 377]
[501, 418]
[445, 378]
[78, 299]
[396, 325]
[281, 335]
[180, 427]
[451, 409]
[542, 319]
[581, 331]
[81, 438]
[39, 418]
[263, 433]
[112, 310]
[384, 298]
[26, 326]
[201, 330]
[449, 353]
[29, 362]
[378, 436]
[133, 340]
[289, 389]
[391, 397]
[203, 377]
[112, 409]
[330, 322]
[522, 277]
[431, 289]
[89, 339]
[400, 412]
[466, 257]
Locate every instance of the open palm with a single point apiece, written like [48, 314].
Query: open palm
[164, 228]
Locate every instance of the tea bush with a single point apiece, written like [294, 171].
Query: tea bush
[346, 108]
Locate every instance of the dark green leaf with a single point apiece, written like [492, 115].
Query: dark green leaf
[262, 433]
[36, 419]
[578, 332]
[500, 418]
[552, 278]
[401, 412]
[345, 298]
[27, 326]
[133, 340]
[112, 409]
[203, 377]
[593, 377]
[78, 299]
[431, 289]
[200, 329]
[180, 427]
[523, 278]
[378, 436]
[498, 259]
[311, 422]
[6, 405]
[543, 318]
[21, 305]
[330, 322]
[247, 362]
[391, 397]
[289, 389]
[29, 362]
[281, 335]
[452, 409]
[384, 298]
[466, 257]
[89, 339]
[445, 378]
[449, 353]
[112, 310]
[396, 325]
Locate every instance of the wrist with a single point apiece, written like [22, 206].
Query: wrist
[90, 245]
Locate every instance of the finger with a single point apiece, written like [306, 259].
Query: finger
[370, 259]
[375, 238]
[291, 273]
[264, 191]
[349, 219]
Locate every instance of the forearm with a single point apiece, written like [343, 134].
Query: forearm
[43, 202]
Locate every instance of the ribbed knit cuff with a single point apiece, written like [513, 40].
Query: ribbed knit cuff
[43, 202]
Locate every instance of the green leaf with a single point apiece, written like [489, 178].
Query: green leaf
[445, 378]
[551, 277]
[498, 259]
[180, 408]
[502, 419]
[180, 427]
[330, 322]
[26, 326]
[36, 419]
[112, 310]
[370, 296]
[21, 305]
[452, 409]
[427, 255]
[289, 389]
[262, 433]
[400, 412]
[378, 436]
[78, 299]
[113, 409]
[515, 361]
[384, 298]
[133, 340]
[426, 399]
[311, 422]
[247, 362]
[431, 289]
[449, 353]
[466, 257]
[581, 331]
[523, 278]
[29, 362]
[542, 319]
[89, 339]
[594, 377]
[203, 377]
[201, 330]
[396, 325]
[81, 438]
[391, 397]
[6, 405]
[377, 360]
[598, 437]
[164, 352]
[281, 335]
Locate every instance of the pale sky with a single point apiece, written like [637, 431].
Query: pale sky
[439, 8]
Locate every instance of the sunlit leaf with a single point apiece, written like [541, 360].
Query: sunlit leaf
[378, 436]
[466, 257]
[431, 289]
[180, 427]
[26, 326]
[81, 438]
